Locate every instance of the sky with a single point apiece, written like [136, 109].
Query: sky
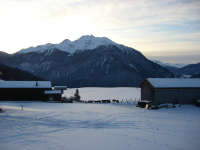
[166, 30]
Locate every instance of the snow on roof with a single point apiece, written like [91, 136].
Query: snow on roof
[175, 82]
[53, 92]
[25, 84]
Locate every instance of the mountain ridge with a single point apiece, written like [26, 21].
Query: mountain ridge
[106, 65]
[177, 65]
[182, 69]
[87, 42]
[14, 74]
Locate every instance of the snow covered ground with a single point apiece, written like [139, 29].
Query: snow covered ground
[81, 126]
[96, 93]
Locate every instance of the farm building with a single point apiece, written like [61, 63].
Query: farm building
[25, 90]
[53, 95]
[171, 90]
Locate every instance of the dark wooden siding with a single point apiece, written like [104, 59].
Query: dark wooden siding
[147, 92]
[176, 96]
[22, 94]
[189, 96]
[53, 97]
[166, 96]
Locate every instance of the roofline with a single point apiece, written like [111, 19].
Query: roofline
[143, 82]
[36, 86]
[25, 88]
[146, 80]
[176, 87]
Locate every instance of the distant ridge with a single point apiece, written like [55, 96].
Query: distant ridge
[177, 65]
[14, 74]
[182, 69]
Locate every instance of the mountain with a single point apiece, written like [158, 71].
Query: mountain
[87, 62]
[191, 69]
[83, 43]
[175, 65]
[3, 55]
[14, 74]
[181, 69]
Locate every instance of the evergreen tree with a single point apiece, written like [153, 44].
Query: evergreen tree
[77, 97]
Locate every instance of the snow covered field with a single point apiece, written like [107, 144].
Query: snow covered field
[96, 93]
[81, 126]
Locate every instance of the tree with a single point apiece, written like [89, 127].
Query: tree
[77, 97]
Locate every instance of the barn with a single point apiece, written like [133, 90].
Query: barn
[171, 90]
[24, 90]
[53, 95]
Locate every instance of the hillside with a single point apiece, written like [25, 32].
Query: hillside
[181, 69]
[14, 74]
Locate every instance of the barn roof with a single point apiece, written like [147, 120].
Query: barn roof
[173, 82]
[25, 84]
[53, 92]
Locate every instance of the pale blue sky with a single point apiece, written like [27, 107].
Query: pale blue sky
[166, 30]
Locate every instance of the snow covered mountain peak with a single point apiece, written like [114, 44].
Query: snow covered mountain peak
[93, 39]
[66, 41]
[87, 42]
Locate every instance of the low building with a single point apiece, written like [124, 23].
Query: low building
[171, 90]
[53, 95]
[24, 90]
[62, 88]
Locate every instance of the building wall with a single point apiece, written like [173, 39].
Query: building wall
[189, 96]
[166, 96]
[147, 92]
[176, 96]
[53, 97]
[20, 94]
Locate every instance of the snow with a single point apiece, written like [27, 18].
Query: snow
[53, 92]
[40, 48]
[25, 84]
[88, 42]
[98, 93]
[81, 126]
[175, 82]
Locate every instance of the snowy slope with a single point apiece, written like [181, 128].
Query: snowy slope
[80, 126]
[40, 48]
[88, 42]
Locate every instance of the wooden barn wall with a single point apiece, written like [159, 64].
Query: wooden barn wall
[26, 94]
[176, 96]
[53, 97]
[147, 92]
[166, 96]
